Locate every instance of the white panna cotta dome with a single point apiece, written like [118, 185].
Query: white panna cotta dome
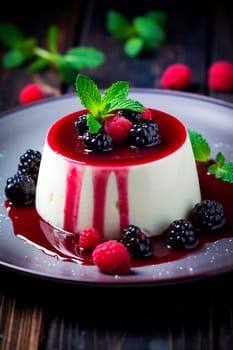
[148, 187]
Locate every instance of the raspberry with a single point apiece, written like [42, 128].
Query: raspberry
[176, 76]
[147, 114]
[117, 127]
[89, 238]
[112, 257]
[30, 93]
[220, 76]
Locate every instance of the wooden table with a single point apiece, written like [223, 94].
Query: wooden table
[41, 314]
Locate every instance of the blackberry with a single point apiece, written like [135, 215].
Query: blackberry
[144, 133]
[98, 142]
[137, 243]
[181, 235]
[20, 189]
[81, 124]
[29, 164]
[133, 116]
[208, 215]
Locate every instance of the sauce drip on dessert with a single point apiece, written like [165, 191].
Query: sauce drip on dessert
[109, 190]
[29, 226]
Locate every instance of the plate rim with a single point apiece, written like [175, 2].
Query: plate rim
[62, 279]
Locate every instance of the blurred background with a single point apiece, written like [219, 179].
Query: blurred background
[196, 35]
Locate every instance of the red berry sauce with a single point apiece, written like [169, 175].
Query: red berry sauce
[28, 225]
[62, 138]
[64, 245]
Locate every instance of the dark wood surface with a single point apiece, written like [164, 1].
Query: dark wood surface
[39, 314]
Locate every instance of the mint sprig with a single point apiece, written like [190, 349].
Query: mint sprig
[102, 106]
[201, 148]
[22, 50]
[142, 33]
[219, 168]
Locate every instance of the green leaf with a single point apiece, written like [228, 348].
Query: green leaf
[67, 72]
[27, 47]
[84, 57]
[147, 29]
[128, 104]
[93, 123]
[160, 17]
[118, 25]
[53, 38]
[10, 35]
[220, 159]
[200, 146]
[117, 91]
[133, 46]
[223, 172]
[221, 169]
[100, 107]
[88, 93]
[13, 59]
[38, 64]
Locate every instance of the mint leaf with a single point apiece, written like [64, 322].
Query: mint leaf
[38, 64]
[10, 35]
[118, 25]
[133, 46]
[160, 17]
[66, 71]
[100, 107]
[84, 57]
[221, 169]
[13, 59]
[53, 38]
[27, 47]
[23, 49]
[127, 104]
[141, 33]
[88, 93]
[148, 29]
[117, 91]
[93, 123]
[220, 159]
[200, 146]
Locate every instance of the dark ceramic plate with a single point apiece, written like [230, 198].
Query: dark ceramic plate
[26, 127]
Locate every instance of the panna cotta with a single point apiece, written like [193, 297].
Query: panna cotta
[148, 187]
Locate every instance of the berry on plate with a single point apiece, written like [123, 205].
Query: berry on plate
[137, 243]
[30, 93]
[181, 235]
[220, 76]
[177, 76]
[112, 257]
[208, 215]
[89, 238]
[20, 189]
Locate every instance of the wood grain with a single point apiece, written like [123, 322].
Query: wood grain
[44, 315]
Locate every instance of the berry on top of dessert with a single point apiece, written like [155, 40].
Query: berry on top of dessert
[116, 172]
[113, 118]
